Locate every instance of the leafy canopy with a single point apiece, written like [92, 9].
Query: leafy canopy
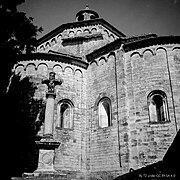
[18, 35]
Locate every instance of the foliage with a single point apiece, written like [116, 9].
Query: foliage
[17, 35]
[23, 124]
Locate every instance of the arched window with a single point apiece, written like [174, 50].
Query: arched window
[92, 17]
[104, 111]
[65, 114]
[81, 18]
[158, 108]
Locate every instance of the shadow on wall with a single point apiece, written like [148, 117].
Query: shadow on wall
[168, 168]
[21, 111]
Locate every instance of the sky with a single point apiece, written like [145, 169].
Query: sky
[131, 17]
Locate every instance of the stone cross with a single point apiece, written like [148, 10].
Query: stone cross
[47, 144]
[49, 112]
[51, 82]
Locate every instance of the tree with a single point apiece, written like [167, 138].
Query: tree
[18, 35]
[25, 116]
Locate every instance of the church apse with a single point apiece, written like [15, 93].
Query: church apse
[114, 100]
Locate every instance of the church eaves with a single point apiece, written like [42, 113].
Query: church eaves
[60, 57]
[76, 24]
[133, 43]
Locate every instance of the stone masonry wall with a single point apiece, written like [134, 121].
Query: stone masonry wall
[126, 78]
[70, 41]
[173, 52]
[139, 72]
[148, 69]
[103, 152]
[70, 155]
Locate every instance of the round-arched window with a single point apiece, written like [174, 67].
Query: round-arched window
[158, 107]
[104, 112]
[65, 114]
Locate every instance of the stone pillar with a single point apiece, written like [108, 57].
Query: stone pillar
[49, 115]
[47, 144]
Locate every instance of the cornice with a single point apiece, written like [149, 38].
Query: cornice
[133, 43]
[160, 40]
[79, 24]
[103, 50]
[59, 57]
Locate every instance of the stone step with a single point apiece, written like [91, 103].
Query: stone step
[42, 176]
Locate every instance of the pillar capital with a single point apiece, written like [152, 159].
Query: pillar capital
[50, 95]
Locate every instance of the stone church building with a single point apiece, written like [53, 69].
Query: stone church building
[117, 104]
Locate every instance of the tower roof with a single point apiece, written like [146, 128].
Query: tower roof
[86, 14]
[85, 17]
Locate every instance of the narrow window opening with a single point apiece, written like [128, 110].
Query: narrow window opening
[81, 18]
[65, 119]
[104, 113]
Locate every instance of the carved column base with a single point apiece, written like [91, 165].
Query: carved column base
[46, 156]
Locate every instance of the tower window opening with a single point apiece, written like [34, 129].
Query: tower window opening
[92, 17]
[81, 18]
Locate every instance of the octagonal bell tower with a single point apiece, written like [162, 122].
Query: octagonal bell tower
[86, 14]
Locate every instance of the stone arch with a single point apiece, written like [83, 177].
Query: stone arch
[102, 61]
[136, 60]
[111, 56]
[30, 69]
[106, 33]
[71, 33]
[86, 31]
[147, 55]
[78, 73]
[176, 57]
[160, 49]
[135, 53]
[42, 48]
[94, 30]
[57, 69]
[175, 48]
[78, 32]
[93, 67]
[111, 62]
[112, 37]
[59, 37]
[100, 96]
[68, 71]
[19, 69]
[93, 62]
[48, 45]
[53, 41]
[148, 51]
[42, 69]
